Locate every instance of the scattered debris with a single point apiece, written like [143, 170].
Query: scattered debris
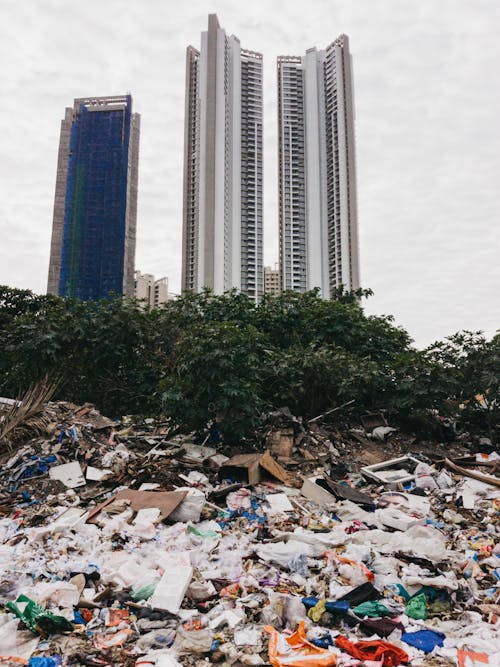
[123, 545]
[395, 471]
[253, 468]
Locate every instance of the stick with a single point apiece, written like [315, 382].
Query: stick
[470, 473]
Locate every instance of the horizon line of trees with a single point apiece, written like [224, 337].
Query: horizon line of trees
[204, 356]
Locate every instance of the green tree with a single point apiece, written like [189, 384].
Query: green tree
[217, 375]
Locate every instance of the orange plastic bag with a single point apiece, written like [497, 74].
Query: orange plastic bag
[377, 650]
[296, 649]
[471, 658]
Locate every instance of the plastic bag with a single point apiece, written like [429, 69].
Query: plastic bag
[190, 508]
[12, 643]
[296, 649]
[192, 641]
[416, 607]
[144, 591]
[378, 650]
[423, 476]
[371, 608]
[424, 640]
[44, 662]
[38, 619]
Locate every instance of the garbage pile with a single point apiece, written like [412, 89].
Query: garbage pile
[123, 545]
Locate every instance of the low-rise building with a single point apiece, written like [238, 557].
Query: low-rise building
[271, 280]
[153, 292]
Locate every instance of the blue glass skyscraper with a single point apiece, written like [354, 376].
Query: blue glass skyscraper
[95, 207]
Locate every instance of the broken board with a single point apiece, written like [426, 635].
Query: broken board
[252, 468]
[165, 501]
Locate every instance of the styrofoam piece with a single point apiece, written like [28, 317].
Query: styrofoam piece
[70, 474]
[198, 453]
[174, 583]
[393, 471]
[316, 493]
[172, 588]
[394, 518]
[278, 503]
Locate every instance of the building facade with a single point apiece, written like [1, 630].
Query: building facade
[222, 212]
[153, 292]
[272, 283]
[92, 251]
[317, 170]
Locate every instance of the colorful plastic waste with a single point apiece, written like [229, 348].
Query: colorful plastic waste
[297, 650]
[378, 651]
[424, 640]
[38, 619]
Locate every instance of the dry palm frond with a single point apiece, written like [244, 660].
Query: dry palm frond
[25, 417]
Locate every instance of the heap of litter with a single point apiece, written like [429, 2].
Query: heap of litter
[123, 545]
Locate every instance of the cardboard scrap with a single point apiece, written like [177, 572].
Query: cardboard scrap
[252, 468]
[313, 491]
[281, 442]
[165, 501]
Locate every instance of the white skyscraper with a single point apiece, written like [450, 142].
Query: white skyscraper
[317, 170]
[222, 217]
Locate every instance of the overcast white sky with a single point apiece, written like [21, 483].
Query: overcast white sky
[427, 92]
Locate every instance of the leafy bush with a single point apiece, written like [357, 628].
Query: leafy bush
[204, 356]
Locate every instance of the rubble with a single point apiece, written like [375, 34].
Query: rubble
[121, 544]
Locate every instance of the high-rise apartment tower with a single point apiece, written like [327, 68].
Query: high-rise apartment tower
[94, 224]
[222, 217]
[317, 170]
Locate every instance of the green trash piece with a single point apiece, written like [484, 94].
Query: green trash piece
[39, 620]
[417, 607]
[372, 608]
[144, 592]
[439, 608]
[202, 533]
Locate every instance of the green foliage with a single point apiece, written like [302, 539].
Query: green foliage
[205, 356]
[15, 302]
[101, 351]
[218, 375]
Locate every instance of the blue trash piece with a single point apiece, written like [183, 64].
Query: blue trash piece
[323, 642]
[424, 640]
[338, 607]
[78, 619]
[54, 661]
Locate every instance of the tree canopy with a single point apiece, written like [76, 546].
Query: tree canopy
[203, 356]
